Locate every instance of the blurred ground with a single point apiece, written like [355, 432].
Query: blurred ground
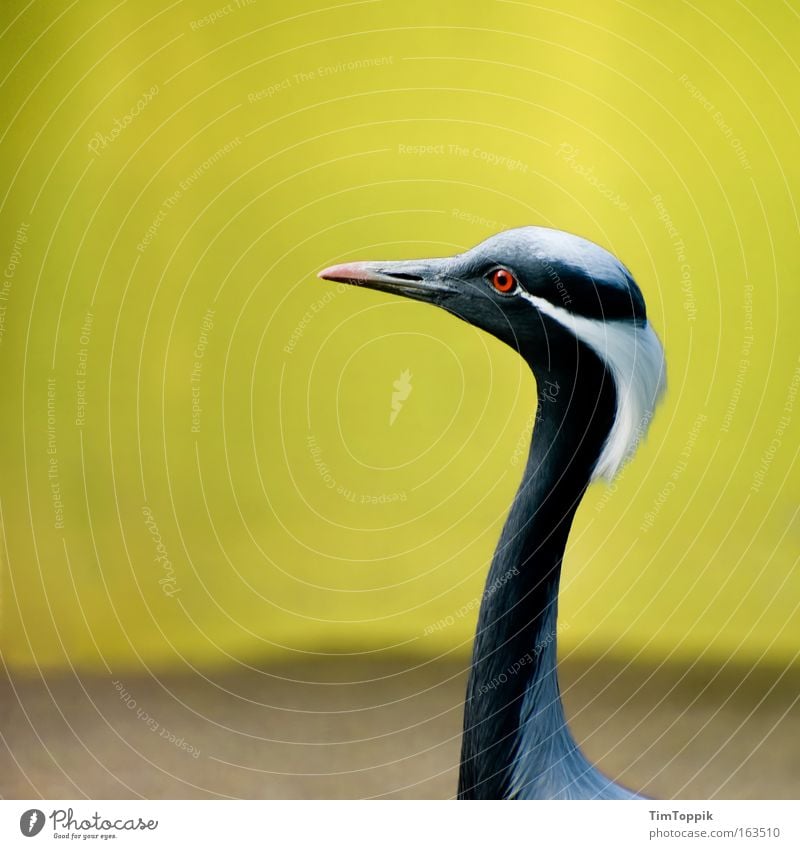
[350, 729]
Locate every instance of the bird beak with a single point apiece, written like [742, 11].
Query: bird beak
[422, 280]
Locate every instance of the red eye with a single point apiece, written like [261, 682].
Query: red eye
[503, 280]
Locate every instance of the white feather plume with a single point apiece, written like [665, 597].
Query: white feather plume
[635, 358]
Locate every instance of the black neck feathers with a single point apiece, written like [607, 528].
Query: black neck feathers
[515, 644]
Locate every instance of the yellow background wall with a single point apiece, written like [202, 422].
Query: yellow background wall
[172, 257]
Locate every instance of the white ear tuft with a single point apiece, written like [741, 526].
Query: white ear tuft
[634, 357]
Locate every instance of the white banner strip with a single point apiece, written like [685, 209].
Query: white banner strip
[387, 824]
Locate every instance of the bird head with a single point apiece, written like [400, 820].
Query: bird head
[555, 298]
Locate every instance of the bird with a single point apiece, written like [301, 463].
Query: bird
[573, 311]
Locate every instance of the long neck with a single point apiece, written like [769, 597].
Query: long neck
[516, 741]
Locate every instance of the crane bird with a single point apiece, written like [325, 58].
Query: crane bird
[573, 311]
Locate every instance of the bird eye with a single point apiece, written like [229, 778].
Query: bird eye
[503, 280]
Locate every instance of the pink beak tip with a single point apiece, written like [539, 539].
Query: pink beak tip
[346, 271]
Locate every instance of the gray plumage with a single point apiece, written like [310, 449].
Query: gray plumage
[574, 313]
